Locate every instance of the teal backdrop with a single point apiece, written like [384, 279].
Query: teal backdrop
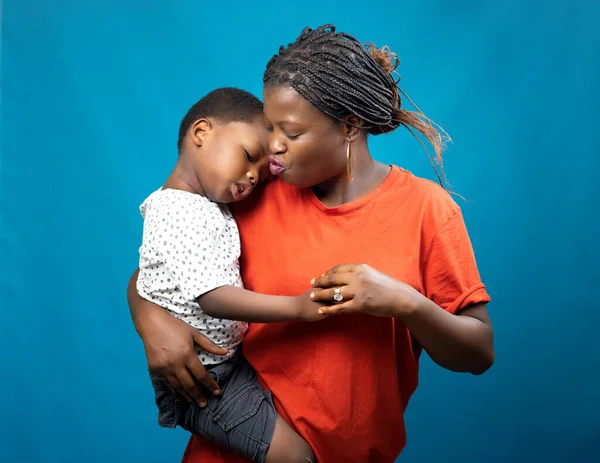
[91, 97]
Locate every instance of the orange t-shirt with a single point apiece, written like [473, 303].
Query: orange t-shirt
[344, 382]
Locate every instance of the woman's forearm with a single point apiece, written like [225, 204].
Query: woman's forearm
[138, 310]
[462, 343]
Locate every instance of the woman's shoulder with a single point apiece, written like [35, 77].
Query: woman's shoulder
[420, 199]
[425, 191]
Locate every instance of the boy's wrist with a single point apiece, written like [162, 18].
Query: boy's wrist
[298, 307]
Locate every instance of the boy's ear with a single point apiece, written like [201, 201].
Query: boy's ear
[199, 130]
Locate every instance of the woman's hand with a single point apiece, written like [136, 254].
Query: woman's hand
[169, 345]
[459, 342]
[360, 288]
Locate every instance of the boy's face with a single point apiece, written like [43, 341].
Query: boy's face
[230, 159]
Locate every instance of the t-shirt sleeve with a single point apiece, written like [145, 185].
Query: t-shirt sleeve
[450, 275]
[190, 243]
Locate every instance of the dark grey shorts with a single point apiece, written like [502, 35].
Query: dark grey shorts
[242, 418]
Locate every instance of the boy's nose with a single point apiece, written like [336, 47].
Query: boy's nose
[252, 177]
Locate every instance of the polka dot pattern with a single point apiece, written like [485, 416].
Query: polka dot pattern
[190, 246]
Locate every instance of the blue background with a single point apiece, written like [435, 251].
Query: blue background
[91, 97]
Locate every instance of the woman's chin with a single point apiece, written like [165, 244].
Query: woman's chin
[291, 178]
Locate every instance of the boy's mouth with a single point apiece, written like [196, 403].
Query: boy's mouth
[241, 191]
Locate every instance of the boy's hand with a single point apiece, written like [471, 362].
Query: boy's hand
[307, 309]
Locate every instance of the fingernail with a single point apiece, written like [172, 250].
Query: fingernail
[202, 403]
[216, 392]
[312, 282]
[320, 310]
[312, 295]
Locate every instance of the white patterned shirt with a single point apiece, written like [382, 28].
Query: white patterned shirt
[190, 246]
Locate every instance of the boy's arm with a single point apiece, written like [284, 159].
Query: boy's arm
[199, 258]
[233, 303]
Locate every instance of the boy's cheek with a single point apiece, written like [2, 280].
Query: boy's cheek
[266, 178]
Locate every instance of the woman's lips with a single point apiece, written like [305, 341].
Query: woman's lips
[275, 166]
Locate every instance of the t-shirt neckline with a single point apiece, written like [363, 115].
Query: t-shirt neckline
[352, 206]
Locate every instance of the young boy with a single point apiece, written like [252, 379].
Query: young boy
[189, 265]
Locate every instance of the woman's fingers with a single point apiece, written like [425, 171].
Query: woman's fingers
[344, 307]
[176, 386]
[207, 345]
[202, 376]
[332, 279]
[191, 388]
[344, 268]
[333, 295]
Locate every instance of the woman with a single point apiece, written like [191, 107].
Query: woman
[408, 279]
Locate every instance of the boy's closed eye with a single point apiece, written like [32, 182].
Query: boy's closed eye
[249, 157]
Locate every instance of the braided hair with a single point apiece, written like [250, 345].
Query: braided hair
[341, 77]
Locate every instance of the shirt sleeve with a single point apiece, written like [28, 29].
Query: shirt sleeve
[192, 244]
[450, 275]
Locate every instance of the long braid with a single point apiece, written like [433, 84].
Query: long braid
[340, 76]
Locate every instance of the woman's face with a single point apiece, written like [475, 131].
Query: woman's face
[307, 146]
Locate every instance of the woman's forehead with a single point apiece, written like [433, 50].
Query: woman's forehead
[284, 104]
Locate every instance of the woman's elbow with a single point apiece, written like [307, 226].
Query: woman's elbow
[485, 362]
[487, 354]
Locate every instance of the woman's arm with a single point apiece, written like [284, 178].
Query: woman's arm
[169, 346]
[461, 342]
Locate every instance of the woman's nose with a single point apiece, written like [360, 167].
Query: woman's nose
[276, 146]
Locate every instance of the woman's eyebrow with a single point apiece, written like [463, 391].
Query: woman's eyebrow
[294, 123]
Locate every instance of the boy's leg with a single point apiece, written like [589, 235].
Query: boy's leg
[287, 446]
[171, 406]
[242, 418]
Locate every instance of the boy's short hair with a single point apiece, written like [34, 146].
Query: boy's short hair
[227, 104]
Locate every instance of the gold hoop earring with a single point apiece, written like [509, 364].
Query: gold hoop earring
[349, 161]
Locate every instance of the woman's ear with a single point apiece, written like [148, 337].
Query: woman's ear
[351, 124]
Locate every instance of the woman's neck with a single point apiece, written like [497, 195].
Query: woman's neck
[368, 174]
